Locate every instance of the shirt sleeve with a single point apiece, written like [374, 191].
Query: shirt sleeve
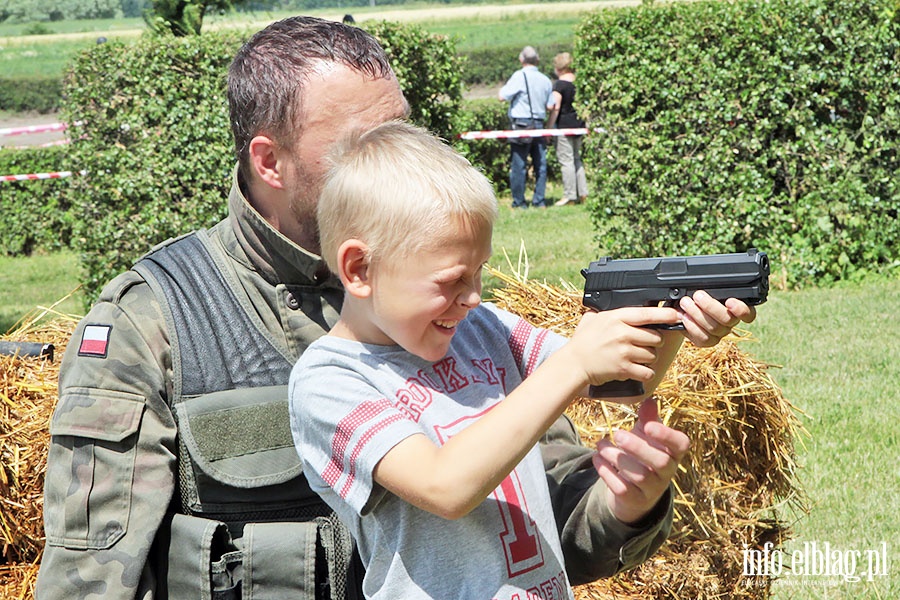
[512, 87]
[529, 345]
[110, 468]
[342, 427]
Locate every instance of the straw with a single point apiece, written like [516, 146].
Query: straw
[731, 492]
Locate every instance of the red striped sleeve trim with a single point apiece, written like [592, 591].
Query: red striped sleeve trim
[518, 339]
[361, 444]
[535, 352]
[344, 432]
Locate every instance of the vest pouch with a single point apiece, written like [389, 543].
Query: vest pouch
[273, 561]
[279, 561]
[237, 459]
[203, 562]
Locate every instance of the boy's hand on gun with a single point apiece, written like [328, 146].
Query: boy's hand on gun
[638, 465]
[618, 345]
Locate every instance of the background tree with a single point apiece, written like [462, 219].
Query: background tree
[182, 17]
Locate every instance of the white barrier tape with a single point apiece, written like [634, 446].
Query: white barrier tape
[521, 133]
[36, 176]
[33, 129]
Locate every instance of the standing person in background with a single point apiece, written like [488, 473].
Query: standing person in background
[568, 147]
[528, 93]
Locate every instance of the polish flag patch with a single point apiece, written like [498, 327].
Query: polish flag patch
[95, 341]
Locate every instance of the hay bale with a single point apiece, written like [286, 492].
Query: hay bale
[739, 472]
[28, 394]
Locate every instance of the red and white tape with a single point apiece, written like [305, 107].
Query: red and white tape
[34, 129]
[506, 134]
[36, 176]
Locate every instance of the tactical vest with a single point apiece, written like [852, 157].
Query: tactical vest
[248, 525]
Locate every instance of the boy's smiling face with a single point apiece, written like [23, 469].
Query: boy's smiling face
[418, 301]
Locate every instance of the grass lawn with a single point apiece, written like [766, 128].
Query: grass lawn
[839, 351]
[558, 241]
[27, 283]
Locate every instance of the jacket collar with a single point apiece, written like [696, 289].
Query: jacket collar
[274, 256]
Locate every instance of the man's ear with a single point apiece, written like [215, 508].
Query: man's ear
[353, 268]
[264, 159]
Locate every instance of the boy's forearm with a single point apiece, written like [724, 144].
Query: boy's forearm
[451, 480]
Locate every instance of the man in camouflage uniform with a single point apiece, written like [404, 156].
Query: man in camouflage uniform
[171, 470]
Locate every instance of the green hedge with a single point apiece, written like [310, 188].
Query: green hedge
[428, 69]
[491, 156]
[773, 124]
[34, 214]
[157, 142]
[494, 65]
[40, 94]
[488, 66]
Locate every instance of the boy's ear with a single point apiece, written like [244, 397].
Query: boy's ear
[264, 159]
[353, 268]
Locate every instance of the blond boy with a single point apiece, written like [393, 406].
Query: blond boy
[417, 417]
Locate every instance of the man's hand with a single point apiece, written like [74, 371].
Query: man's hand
[639, 467]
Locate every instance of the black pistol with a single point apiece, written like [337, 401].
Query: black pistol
[610, 284]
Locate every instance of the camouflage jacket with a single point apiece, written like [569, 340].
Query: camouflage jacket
[112, 469]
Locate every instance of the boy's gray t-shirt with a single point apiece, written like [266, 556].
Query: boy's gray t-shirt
[351, 402]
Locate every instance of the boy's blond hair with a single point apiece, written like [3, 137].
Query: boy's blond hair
[398, 188]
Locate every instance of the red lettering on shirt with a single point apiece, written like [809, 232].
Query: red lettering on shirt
[448, 372]
[520, 540]
[486, 367]
[414, 398]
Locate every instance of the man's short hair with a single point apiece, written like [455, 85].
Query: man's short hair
[529, 56]
[268, 74]
[399, 189]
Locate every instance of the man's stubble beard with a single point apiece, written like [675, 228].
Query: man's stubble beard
[302, 203]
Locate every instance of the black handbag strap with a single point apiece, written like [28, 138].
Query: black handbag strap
[528, 93]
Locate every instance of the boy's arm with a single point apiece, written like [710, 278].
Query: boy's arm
[453, 479]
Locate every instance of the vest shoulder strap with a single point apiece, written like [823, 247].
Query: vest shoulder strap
[217, 343]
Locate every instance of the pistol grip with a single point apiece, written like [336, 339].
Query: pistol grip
[617, 389]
